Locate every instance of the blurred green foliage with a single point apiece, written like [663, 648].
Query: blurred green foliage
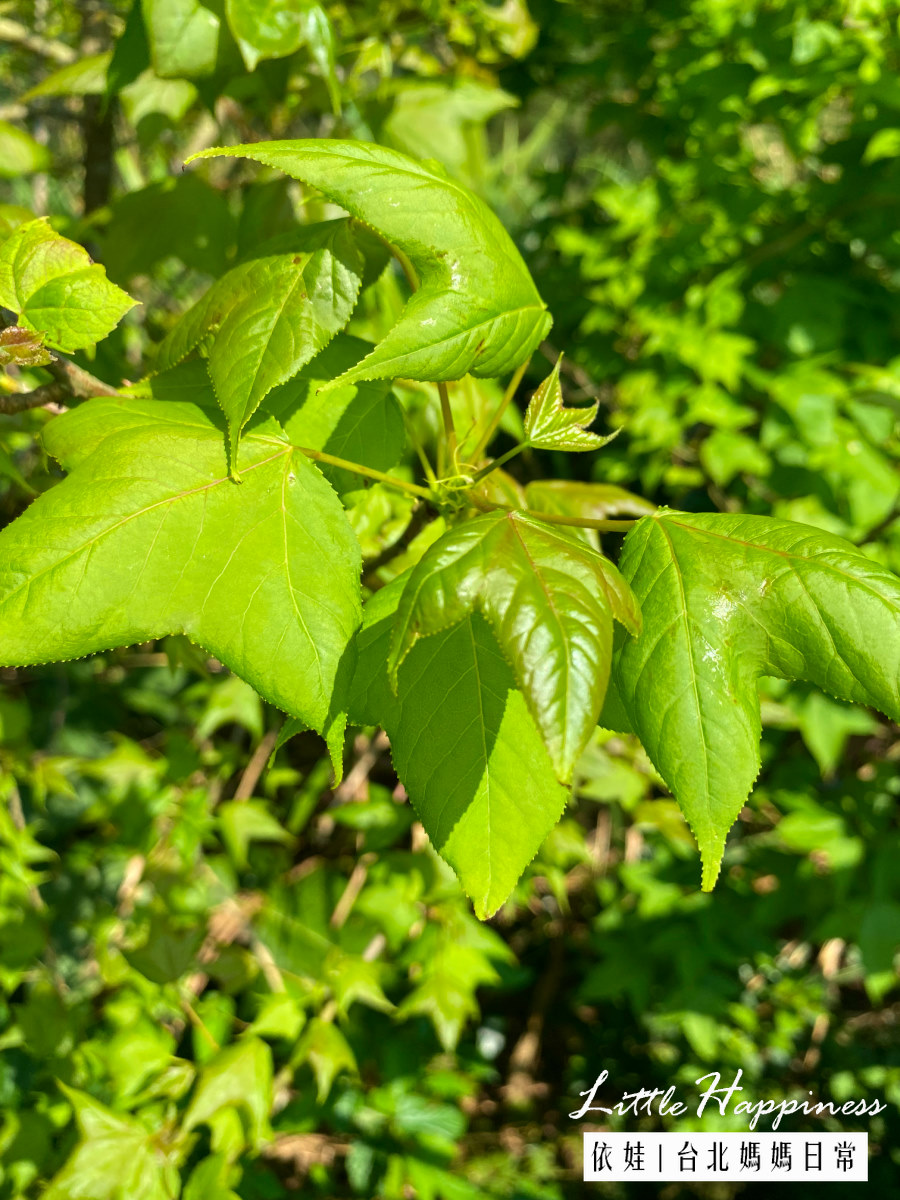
[218, 980]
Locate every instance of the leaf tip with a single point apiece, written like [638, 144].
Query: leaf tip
[712, 865]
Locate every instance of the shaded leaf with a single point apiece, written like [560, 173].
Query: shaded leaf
[361, 422]
[476, 308]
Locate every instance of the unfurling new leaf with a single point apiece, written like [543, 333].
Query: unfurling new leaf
[549, 425]
[726, 599]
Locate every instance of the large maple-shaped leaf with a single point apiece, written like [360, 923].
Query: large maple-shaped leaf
[726, 599]
[267, 318]
[476, 309]
[464, 745]
[550, 602]
[148, 536]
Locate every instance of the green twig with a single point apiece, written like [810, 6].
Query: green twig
[368, 472]
[449, 427]
[485, 440]
[555, 519]
[498, 462]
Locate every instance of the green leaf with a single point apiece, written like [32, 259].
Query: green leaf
[149, 537]
[726, 599]
[246, 821]
[465, 746]
[269, 316]
[117, 1156]
[575, 498]
[184, 37]
[20, 154]
[318, 33]
[265, 28]
[361, 422]
[240, 1076]
[56, 290]
[549, 425]
[550, 602]
[476, 308]
[84, 77]
[328, 1053]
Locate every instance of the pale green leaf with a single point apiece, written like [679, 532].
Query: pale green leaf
[726, 599]
[268, 317]
[550, 602]
[265, 28]
[20, 154]
[84, 77]
[464, 745]
[476, 308]
[117, 1156]
[574, 498]
[184, 37]
[246, 821]
[328, 1053]
[549, 425]
[318, 34]
[240, 1076]
[56, 290]
[150, 537]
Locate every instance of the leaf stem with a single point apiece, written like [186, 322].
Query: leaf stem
[449, 427]
[485, 440]
[602, 526]
[419, 449]
[357, 469]
[498, 462]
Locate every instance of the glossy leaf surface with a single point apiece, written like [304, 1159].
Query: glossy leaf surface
[476, 308]
[55, 289]
[549, 425]
[465, 746]
[148, 536]
[726, 599]
[550, 602]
